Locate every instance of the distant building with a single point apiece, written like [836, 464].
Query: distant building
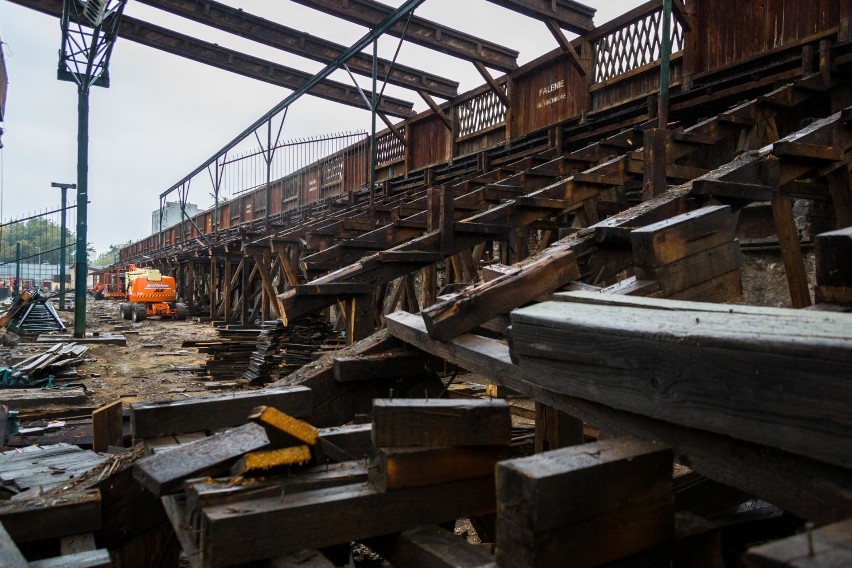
[33, 275]
[171, 215]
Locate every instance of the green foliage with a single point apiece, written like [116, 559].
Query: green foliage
[40, 241]
[110, 256]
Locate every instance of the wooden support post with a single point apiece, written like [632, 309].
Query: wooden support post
[788, 238]
[215, 285]
[107, 427]
[189, 269]
[518, 246]
[361, 318]
[270, 295]
[840, 187]
[228, 290]
[555, 429]
[825, 61]
[429, 284]
[571, 503]
[654, 176]
[446, 218]
[245, 283]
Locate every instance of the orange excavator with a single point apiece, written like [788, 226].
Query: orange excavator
[149, 293]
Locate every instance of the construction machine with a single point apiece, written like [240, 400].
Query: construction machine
[149, 293]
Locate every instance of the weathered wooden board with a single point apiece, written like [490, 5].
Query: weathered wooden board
[107, 427]
[398, 468]
[574, 502]
[152, 419]
[286, 523]
[742, 374]
[389, 365]
[440, 422]
[52, 516]
[33, 398]
[693, 270]
[830, 545]
[165, 472]
[90, 559]
[681, 236]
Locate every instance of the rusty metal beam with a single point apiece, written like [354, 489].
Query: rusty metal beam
[234, 61]
[572, 16]
[255, 28]
[421, 31]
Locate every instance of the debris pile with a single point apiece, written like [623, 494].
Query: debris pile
[54, 364]
[32, 313]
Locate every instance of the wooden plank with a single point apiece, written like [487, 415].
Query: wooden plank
[398, 468]
[693, 270]
[164, 472]
[569, 503]
[107, 427]
[263, 461]
[741, 190]
[77, 543]
[53, 516]
[840, 188]
[788, 238]
[742, 375]
[681, 236]
[485, 301]
[389, 365]
[281, 524]
[152, 419]
[16, 399]
[431, 547]
[830, 545]
[833, 253]
[10, 556]
[440, 422]
[90, 559]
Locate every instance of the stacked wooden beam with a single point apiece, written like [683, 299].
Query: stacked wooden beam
[592, 504]
[692, 256]
[228, 357]
[281, 349]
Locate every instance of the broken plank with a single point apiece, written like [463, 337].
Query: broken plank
[441, 422]
[259, 462]
[164, 472]
[283, 429]
[283, 524]
[481, 303]
[153, 419]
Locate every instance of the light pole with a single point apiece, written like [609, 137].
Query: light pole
[89, 31]
[64, 187]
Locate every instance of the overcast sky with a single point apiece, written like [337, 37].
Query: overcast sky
[164, 115]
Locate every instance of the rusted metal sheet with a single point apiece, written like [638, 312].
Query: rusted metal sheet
[545, 96]
[225, 215]
[310, 186]
[434, 143]
[355, 168]
[732, 32]
[246, 208]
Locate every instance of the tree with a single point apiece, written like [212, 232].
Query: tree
[110, 256]
[39, 238]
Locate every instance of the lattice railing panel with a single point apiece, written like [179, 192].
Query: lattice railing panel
[389, 148]
[481, 112]
[631, 46]
[332, 170]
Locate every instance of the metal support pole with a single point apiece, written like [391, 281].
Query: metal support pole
[17, 291]
[62, 241]
[374, 104]
[665, 62]
[81, 261]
